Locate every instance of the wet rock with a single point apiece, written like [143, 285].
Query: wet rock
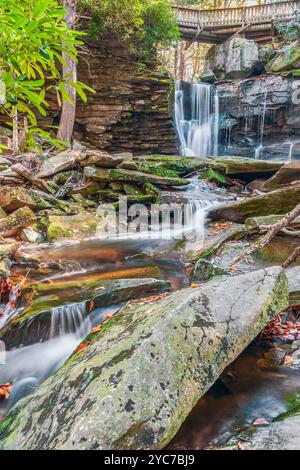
[280, 201]
[288, 173]
[141, 375]
[280, 435]
[238, 166]
[117, 174]
[71, 227]
[293, 275]
[13, 223]
[12, 199]
[31, 235]
[62, 161]
[256, 224]
[235, 58]
[97, 293]
[212, 244]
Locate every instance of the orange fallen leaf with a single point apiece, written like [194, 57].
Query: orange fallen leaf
[96, 329]
[82, 346]
[288, 360]
[5, 391]
[194, 286]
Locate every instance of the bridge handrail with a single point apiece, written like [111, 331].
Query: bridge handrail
[238, 15]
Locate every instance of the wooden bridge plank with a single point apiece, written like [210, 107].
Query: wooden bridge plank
[217, 21]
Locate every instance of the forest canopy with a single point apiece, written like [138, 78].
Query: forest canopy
[144, 24]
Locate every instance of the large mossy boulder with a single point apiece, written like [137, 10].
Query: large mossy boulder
[236, 58]
[287, 59]
[274, 202]
[288, 173]
[118, 174]
[140, 376]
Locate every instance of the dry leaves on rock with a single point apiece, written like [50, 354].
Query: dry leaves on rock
[5, 391]
[82, 346]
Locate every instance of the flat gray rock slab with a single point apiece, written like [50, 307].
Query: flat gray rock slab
[140, 376]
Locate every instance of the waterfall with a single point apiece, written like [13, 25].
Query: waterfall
[71, 318]
[261, 128]
[198, 135]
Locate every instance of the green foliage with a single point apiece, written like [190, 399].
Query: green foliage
[289, 29]
[144, 24]
[32, 34]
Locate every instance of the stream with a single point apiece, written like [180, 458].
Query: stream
[40, 344]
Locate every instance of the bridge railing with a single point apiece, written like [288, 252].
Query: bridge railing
[188, 17]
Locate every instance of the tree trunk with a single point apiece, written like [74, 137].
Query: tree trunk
[67, 118]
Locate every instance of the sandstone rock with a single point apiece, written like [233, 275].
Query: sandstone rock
[100, 159]
[235, 58]
[287, 59]
[288, 173]
[13, 223]
[274, 202]
[141, 375]
[117, 174]
[12, 199]
[62, 161]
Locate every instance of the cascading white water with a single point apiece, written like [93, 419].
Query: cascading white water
[198, 135]
[71, 318]
[261, 128]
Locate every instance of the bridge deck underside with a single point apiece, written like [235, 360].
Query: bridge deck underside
[219, 33]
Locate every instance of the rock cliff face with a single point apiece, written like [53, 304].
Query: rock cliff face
[258, 113]
[130, 110]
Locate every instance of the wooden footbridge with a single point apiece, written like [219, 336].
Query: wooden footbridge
[254, 22]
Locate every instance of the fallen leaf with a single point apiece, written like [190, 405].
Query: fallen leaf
[96, 329]
[5, 391]
[91, 304]
[82, 346]
[194, 286]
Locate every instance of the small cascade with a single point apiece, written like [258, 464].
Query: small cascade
[261, 128]
[290, 156]
[198, 134]
[69, 319]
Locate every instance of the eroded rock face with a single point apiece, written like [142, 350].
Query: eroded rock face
[235, 58]
[139, 378]
[244, 103]
[131, 109]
